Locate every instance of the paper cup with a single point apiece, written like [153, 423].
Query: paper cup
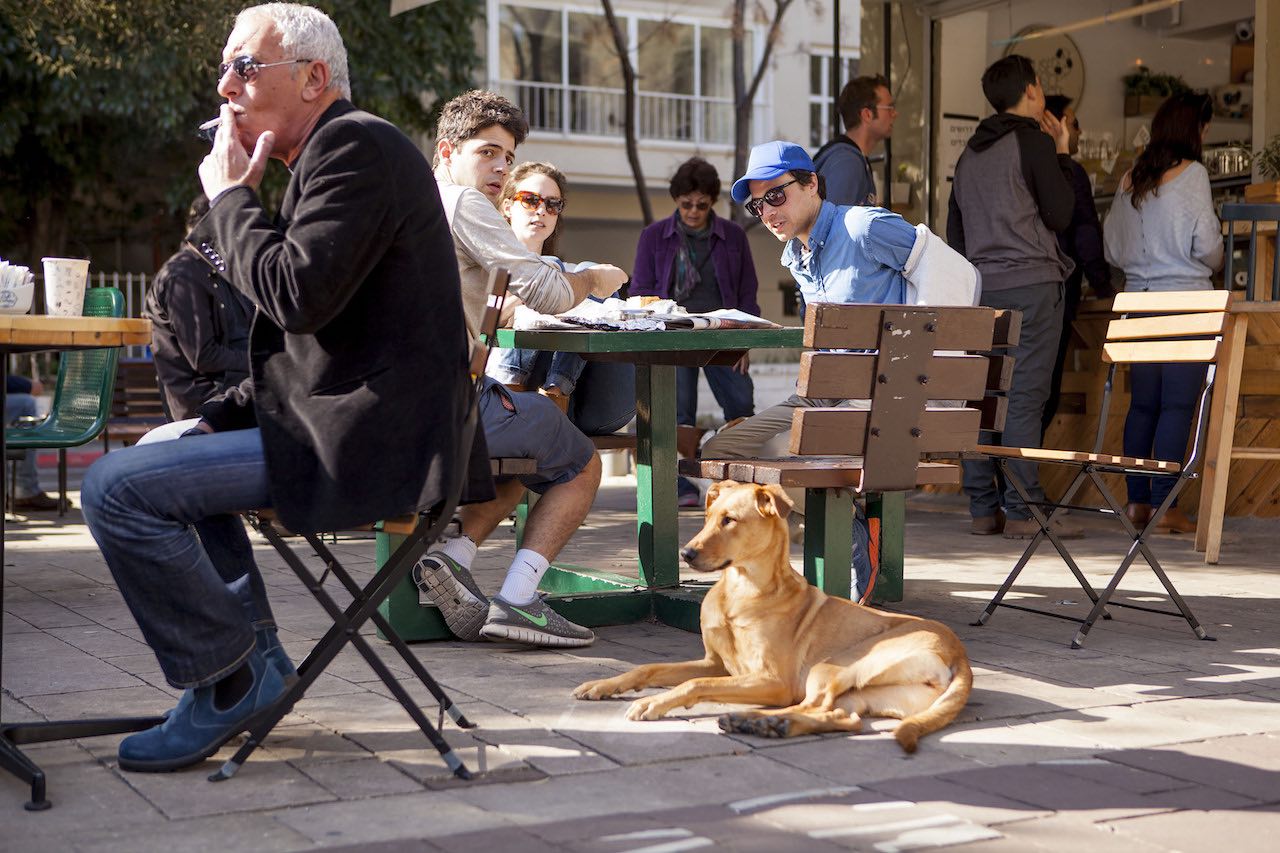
[64, 284]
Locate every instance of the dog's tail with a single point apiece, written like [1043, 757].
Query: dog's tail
[943, 710]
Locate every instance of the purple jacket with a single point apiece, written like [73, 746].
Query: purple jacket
[735, 271]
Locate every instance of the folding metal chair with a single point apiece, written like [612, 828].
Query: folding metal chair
[1182, 326]
[420, 531]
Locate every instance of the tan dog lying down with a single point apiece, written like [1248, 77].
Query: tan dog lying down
[773, 639]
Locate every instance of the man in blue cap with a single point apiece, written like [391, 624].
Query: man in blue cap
[836, 254]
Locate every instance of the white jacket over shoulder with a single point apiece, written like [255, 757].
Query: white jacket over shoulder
[937, 274]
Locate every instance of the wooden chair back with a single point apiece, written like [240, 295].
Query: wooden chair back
[498, 280]
[1175, 317]
[927, 392]
[1175, 326]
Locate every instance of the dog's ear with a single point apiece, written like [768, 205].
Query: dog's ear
[713, 491]
[773, 500]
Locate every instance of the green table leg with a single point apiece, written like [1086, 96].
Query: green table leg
[522, 515]
[401, 609]
[828, 539]
[888, 514]
[657, 522]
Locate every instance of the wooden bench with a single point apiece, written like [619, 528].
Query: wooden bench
[926, 399]
[136, 404]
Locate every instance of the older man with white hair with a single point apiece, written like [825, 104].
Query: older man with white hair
[360, 242]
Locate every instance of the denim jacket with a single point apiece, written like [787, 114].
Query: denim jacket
[857, 255]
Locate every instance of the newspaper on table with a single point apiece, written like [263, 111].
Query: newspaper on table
[616, 315]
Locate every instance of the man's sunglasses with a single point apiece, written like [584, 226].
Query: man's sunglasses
[531, 201]
[246, 67]
[695, 205]
[774, 197]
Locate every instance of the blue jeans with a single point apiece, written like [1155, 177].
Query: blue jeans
[602, 393]
[734, 392]
[1162, 403]
[197, 600]
[27, 482]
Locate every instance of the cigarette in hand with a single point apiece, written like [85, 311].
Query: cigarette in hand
[206, 130]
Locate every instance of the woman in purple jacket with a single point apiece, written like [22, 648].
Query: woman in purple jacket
[703, 263]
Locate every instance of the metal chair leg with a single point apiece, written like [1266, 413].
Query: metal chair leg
[345, 629]
[1045, 532]
[63, 503]
[396, 641]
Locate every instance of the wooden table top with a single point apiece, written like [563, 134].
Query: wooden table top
[45, 332]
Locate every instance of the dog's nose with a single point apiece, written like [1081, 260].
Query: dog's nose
[689, 554]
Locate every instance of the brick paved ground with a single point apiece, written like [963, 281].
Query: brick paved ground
[1147, 739]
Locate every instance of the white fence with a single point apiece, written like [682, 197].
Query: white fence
[596, 111]
[134, 287]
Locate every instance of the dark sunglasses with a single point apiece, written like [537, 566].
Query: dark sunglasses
[695, 205]
[246, 67]
[531, 201]
[774, 197]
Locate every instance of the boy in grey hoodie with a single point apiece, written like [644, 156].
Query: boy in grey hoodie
[1010, 196]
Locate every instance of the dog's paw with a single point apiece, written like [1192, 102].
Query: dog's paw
[601, 689]
[648, 708]
[751, 724]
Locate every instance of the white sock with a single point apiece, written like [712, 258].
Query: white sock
[461, 550]
[521, 584]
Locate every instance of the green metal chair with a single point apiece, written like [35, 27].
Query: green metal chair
[82, 398]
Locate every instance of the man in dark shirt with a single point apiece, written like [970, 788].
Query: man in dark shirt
[199, 328]
[868, 110]
[360, 242]
[1082, 242]
[1010, 198]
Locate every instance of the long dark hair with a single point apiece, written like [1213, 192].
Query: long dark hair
[1175, 136]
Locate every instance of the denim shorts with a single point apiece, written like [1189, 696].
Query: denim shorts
[527, 425]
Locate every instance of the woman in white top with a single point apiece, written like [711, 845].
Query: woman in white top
[1163, 232]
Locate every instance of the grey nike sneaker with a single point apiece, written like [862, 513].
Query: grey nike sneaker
[450, 587]
[535, 624]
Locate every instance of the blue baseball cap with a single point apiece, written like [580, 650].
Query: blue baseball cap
[769, 160]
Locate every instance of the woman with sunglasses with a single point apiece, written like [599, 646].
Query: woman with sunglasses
[598, 398]
[1163, 231]
[703, 262]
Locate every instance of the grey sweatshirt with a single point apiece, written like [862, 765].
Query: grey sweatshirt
[1173, 241]
[1010, 195]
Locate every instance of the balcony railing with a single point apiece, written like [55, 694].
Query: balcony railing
[597, 111]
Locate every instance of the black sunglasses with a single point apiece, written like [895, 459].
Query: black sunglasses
[774, 197]
[530, 201]
[246, 67]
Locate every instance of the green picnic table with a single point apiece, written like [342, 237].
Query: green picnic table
[592, 597]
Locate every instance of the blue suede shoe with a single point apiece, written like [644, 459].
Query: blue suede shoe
[195, 729]
[268, 645]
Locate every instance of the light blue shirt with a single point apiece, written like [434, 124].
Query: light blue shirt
[856, 255]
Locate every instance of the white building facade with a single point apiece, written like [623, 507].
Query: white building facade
[557, 60]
